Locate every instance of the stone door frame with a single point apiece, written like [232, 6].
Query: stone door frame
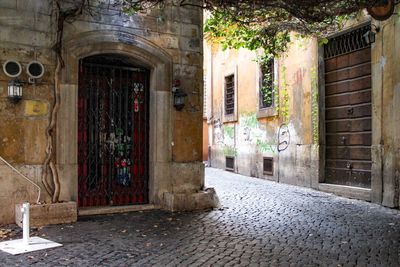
[145, 54]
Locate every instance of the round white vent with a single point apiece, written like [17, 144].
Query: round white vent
[12, 68]
[35, 69]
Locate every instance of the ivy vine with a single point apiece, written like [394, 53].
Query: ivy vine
[314, 105]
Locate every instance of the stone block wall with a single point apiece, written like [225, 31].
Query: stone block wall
[167, 41]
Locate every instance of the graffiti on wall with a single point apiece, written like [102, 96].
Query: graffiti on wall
[249, 131]
[229, 148]
[224, 135]
[252, 132]
[283, 137]
[218, 134]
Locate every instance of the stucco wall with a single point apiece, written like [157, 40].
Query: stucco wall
[254, 136]
[167, 42]
[301, 78]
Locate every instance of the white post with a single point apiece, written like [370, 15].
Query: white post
[25, 224]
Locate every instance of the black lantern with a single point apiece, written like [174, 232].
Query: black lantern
[14, 90]
[369, 37]
[179, 99]
[179, 95]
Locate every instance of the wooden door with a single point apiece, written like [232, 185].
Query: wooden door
[348, 109]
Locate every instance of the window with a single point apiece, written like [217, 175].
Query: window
[268, 166]
[229, 163]
[230, 94]
[267, 81]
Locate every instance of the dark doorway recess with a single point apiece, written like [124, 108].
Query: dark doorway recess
[113, 131]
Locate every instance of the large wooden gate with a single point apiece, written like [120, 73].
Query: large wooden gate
[348, 109]
[112, 133]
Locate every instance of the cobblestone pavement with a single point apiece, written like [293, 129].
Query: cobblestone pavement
[261, 223]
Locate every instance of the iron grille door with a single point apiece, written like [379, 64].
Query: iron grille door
[112, 135]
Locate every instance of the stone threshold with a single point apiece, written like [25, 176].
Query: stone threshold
[115, 209]
[346, 191]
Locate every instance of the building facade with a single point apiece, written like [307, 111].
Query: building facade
[118, 138]
[327, 121]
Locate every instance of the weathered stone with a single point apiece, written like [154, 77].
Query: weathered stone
[46, 214]
[151, 40]
[194, 201]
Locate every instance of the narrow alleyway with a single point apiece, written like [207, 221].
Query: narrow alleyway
[260, 223]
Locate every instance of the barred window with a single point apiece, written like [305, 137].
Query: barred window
[230, 94]
[267, 92]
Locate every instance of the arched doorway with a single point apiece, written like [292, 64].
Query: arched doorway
[113, 131]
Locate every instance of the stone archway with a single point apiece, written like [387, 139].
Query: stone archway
[147, 55]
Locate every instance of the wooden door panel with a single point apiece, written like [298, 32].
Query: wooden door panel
[348, 164]
[348, 73]
[355, 125]
[348, 60]
[348, 177]
[348, 85]
[348, 112]
[353, 98]
[347, 152]
[355, 139]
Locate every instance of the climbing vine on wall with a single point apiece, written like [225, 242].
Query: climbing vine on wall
[229, 151]
[314, 105]
[284, 102]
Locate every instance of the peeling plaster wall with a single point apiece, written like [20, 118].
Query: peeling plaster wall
[168, 42]
[254, 136]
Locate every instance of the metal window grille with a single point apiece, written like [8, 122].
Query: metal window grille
[267, 95]
[230, 163]
[230, 94]
[347, 42]
[268, 166]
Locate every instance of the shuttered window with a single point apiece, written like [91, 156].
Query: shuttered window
[230, 94]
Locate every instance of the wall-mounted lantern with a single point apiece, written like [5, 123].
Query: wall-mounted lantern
[14, 90]
[13, 69]
[369, 36]
[179, 95]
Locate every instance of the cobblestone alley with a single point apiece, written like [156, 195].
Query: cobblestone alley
[260, 223]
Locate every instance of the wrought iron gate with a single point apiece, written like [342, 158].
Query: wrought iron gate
[112, 135]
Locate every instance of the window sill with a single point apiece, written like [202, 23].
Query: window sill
[267, 112]
[230, 118]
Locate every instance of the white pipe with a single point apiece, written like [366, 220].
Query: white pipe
[26, 178]
[25, 223]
